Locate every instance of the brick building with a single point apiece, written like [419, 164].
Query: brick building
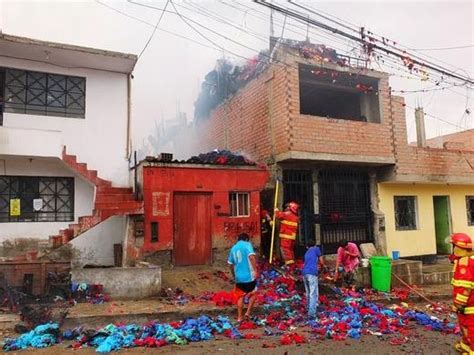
[335, 135]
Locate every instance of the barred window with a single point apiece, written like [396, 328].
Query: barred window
[36, 199]
[470, 210]
[405, 212]
[239, 204]
[44, 94]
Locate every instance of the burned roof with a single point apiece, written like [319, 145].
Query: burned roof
[215, 157]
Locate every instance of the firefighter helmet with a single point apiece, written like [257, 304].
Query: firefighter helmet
[462, 240]
[293, 206]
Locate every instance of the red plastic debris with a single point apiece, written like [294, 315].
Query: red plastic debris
[291, 338]
[247, 325]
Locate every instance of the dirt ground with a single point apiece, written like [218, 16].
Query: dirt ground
[196, 280]
[424, 342]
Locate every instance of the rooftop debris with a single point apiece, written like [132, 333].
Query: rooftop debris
[341, 315]
[227, 78]
[215, 157]
[224, 81]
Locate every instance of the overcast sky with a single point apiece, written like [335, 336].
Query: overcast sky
[170, 70]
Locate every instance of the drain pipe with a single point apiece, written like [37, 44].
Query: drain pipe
[129, 115]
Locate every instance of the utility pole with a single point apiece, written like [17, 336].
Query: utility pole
[420, 127]
[272, 29]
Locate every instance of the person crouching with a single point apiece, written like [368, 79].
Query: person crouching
[243, 267]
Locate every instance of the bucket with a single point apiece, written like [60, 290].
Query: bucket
[395, 255]
[381, 271]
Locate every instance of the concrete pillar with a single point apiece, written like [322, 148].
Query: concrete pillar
[317, 227]
[378, 217]
[420, 127]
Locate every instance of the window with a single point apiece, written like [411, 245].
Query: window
[470, 210]
[154, 232]
[405, 212]
[44, 94]
[36, 199]
[336, 94]
[239, 204]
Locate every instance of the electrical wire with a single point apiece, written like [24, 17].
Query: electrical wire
[442, 48]
[395, 64]
[154, 30]
[305, 19]
[160, 29]
[385, 40]
[217, 46]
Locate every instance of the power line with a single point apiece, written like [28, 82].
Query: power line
[386, 40]
[159, 29]
[306, 19]
[442, 48]
[154, 29]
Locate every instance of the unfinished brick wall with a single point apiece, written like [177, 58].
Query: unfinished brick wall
[263, 119]
[461, 140]
[411, 160]
[15, 272]
[254, 121]
[338, 136]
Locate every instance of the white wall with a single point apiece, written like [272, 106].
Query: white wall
[98, 140]
[83, 196]
[41, 143]
[96, 246]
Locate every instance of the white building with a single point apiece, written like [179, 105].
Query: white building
[62, 105]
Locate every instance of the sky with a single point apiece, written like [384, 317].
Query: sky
[168, 74]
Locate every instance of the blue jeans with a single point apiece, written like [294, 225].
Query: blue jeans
[312, 293]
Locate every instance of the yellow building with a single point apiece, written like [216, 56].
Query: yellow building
[419, 216]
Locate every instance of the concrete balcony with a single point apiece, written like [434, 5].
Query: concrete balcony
[30, 142]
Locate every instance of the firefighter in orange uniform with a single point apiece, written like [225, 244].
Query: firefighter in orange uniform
[288, 228]
[463, 285]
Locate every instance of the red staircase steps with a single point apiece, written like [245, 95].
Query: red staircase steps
[114, 190]
[103, 198]
[109, 201]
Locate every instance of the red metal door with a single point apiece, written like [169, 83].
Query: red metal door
[192, 229]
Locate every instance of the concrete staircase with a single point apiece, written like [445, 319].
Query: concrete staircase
[109, 201]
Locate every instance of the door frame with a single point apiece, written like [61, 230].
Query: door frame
[450, 217]
[191, 193]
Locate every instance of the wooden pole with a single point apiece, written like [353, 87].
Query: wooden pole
[275, 204]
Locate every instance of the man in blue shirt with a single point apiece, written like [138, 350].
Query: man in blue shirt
[312, 258]
[243, 266]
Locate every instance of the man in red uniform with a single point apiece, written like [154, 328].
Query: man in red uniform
[463, 285]
[288, 228]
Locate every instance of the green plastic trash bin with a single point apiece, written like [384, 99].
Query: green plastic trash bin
[381, 271]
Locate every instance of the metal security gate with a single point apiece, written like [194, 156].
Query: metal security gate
[298, 186]
[344, 206]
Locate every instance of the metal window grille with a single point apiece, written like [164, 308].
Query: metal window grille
[239, 204]
[470, 210]
[56, 193]
[405, 212]
[344, 208]
[44, 94]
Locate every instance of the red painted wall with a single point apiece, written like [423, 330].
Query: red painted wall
[160, 183]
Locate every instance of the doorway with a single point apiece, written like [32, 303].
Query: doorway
[192, 229]
[442, 218]
[344, 207]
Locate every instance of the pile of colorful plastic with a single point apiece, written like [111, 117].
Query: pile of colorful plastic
[115, 337]
[41, 337]
[175, 296]
[342, 314]
[83, 292]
